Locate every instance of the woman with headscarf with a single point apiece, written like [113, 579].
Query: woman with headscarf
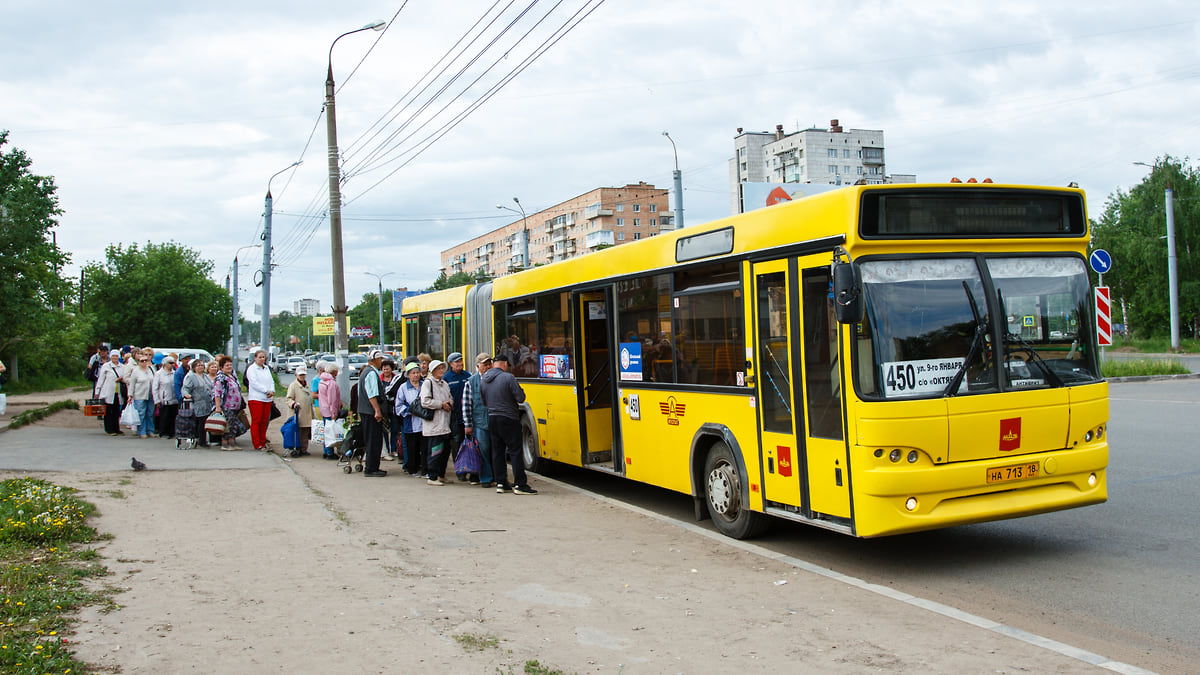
[108, 387]
[435, 395]
[164, 395]
[197, 388]
[299, 399]
[227, 395]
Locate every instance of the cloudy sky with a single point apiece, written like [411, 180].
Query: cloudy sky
[164, 121]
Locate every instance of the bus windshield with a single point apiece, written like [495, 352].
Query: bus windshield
[929, 331]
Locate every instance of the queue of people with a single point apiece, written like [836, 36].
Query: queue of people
[417, 413]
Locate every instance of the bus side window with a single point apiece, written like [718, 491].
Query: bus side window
[821, 374]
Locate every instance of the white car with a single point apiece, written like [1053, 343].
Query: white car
[357, 361]
[295, 362]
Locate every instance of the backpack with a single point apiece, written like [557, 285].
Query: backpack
[246, 378]
[92, 372]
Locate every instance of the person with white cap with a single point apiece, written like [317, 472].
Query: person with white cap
[435, 395]
[370, 413]
[299, 399]
[164, 394]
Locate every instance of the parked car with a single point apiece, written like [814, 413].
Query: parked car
[161, 352]
[357, 361]
[295, 362]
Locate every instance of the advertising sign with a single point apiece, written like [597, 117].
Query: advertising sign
[555, 367]
[630, 361]
[362, 332]
[322, 325]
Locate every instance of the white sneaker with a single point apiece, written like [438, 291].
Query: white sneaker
[433, 481]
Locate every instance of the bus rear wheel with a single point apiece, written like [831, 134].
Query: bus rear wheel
[723, 489]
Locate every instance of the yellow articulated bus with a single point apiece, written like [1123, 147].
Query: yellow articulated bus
[874, 360]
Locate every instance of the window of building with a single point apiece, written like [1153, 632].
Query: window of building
[654, 222]
[637, 208]
[846, 168]
[620, 236]
[846, 153]
[637, 222]
[620, 207]
[637, 235]
[620, 222]
[654, 208]
[832, 168]
[832, 152]
[709, 346]
[860, 171]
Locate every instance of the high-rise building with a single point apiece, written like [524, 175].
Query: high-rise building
[834, 156]
[307, 307]
[603, 217]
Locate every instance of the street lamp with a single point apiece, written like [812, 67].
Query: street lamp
[678, 184]
[340, 339]
[1172, 271]
[265, 327]
[524, 231]
[379, 277]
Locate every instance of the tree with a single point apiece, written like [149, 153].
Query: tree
[457, 279]
[1133, 229]
[31, 290]
[161, 295]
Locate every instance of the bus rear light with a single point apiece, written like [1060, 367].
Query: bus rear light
[911, 504]
[895, 455]
[1092, 480]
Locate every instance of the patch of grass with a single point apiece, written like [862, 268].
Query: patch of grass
[535, 668]
[42, 575]
[31, 416]
[116, 494]
[1134, 367]
[1156, 345]
[476, 642]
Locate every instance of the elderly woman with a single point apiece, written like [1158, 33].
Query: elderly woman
[108, 387]
[261, 397]
[299, 399]
[227, 395]
[197, 389]
[435, 395]
[141, 384]
[329, 399]
[164, 395]
[391, 424]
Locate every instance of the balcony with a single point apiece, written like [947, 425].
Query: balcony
[595, 211]
[600, 237]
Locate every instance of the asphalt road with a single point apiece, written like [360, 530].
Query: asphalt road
[1120, 579]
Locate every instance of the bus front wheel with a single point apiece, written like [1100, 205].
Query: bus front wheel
[723, 488]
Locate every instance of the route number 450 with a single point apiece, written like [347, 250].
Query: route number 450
[901, 377]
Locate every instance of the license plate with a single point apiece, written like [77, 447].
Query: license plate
[1002, 474]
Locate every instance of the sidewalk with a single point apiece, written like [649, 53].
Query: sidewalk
[241, 562]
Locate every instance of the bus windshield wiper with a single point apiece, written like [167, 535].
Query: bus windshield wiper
[981, 330]
[1034, 356]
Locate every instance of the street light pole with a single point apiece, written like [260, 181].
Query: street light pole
[379, 277]
[237, 321]
[524, 231]
[340, 338]
[678, 184]
[1172, 269]
[265, 327]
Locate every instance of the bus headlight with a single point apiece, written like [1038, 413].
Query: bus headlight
[912, 456]
[911, 504]
[1092, 480]
[1087, 437]
[895, 455]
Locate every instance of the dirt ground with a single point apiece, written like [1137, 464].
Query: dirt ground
[296, 567]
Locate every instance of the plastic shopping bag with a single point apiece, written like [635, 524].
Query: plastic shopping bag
[318, 432]
[469, 459]
[129, 416]
[335, 432]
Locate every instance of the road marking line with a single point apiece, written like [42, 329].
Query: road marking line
[922, 603]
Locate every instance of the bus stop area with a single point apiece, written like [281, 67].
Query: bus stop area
[245, 562]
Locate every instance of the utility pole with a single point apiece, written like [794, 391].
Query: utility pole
[265, 332]
[237, 323]
[1172, 271]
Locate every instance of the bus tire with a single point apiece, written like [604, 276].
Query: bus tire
[529, 448]
[723, 482]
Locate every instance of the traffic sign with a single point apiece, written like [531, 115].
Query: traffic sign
[1103, 317]
[1100, 261]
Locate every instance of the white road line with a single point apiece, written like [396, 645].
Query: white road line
[928, 605]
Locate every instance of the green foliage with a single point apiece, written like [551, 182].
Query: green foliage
[457, 279]
[30, 286]
[42, 580]
[31, 416]
[1132, 228]
[1134, 367]
[158, 296]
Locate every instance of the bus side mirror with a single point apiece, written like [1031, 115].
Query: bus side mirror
[847, 293]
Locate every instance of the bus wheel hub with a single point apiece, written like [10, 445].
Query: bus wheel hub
[722, 490]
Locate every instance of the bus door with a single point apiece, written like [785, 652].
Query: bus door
[826, 456]
[781, 450]
[594, 379]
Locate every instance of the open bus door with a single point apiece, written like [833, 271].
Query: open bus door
[798, 386]
[597, 395]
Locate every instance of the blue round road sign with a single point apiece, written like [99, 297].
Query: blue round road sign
[1100, 261]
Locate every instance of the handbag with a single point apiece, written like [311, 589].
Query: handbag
[216, 424]
[129, 416]
[275, 411]
[415, 408]
[469, 459]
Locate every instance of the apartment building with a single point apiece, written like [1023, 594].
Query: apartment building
[600, 218]
[306, 307]
[835, 156]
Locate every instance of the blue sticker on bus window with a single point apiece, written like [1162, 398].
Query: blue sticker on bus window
[630, 361]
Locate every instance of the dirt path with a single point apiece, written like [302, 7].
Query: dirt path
[296, 567]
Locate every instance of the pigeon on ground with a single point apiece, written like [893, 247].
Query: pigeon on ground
[137, 466]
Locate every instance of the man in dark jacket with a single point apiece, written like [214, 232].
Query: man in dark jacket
[456, 377]
[503, 395]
